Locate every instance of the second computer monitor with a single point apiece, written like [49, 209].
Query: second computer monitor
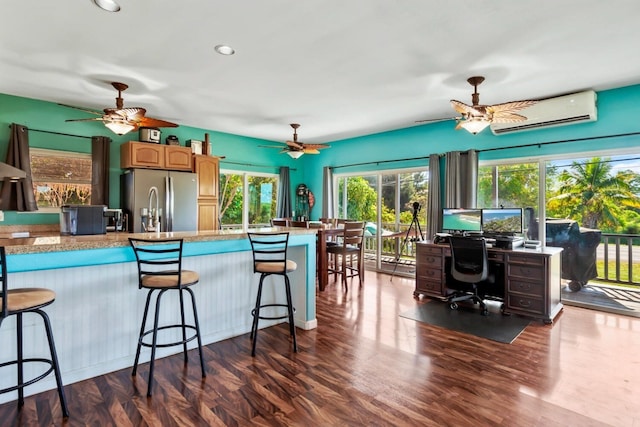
[502, 221]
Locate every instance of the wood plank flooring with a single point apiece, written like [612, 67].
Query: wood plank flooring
[365, 365]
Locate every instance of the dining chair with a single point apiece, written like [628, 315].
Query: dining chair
[350, 245]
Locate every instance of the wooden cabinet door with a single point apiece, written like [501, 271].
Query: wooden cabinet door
[207, 216]
[141, 155]
[177, 158]
[208, 171]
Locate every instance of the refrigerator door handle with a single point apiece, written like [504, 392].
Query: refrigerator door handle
[169, 202]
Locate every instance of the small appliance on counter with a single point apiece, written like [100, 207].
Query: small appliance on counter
[115, 220]
[150, 135]
[78, 220]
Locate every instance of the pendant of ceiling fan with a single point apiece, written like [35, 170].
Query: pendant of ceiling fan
[122, 120]
[475, 117]
[296, 149]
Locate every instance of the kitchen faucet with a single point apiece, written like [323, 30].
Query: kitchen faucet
[154, 218]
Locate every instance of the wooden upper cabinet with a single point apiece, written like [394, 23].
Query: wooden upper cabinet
[208, 171]
[135, 154]
[141, 155]
[177, 158]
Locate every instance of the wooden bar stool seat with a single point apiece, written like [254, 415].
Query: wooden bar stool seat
[17, 302]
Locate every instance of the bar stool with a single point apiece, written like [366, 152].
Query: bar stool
[160, 269]
[270, 257]
[18, 302]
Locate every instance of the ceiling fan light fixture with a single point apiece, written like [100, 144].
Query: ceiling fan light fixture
[119, 127]
[295, 154]
[475, 125]
[223, 49]
[108, 5]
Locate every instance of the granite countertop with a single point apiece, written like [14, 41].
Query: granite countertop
[51, 241]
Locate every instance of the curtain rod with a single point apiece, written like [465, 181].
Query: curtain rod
[535, 144]
[253, 165]
[56, 133]
[539, 144]
[381, 161]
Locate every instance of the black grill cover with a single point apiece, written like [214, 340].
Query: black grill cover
[579, 244]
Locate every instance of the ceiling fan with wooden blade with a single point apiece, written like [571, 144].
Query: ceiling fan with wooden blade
[296, 149]
[120, 119]
[474, 118]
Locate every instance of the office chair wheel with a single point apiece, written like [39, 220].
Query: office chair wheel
[453, 306]
[485, 312]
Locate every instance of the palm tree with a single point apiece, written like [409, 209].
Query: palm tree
[590, 193]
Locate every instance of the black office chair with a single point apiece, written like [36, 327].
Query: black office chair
[469, 267]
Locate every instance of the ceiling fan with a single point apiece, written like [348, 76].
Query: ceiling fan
[122, 120]
[474, 118]
[296, 149]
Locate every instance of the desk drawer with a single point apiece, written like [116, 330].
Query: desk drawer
[429, 260]
[531, 272]
[429, 273]
[524, 258]
[429, 250]
[495, 256]
[433, 287]
[523, 303]
[535, 289]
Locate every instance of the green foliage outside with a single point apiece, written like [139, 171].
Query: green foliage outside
[362, 198]
[588, 192]
[263, 193]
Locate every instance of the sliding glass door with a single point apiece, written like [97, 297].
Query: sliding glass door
[387, 202]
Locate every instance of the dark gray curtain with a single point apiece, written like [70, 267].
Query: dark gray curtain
[434, 206]
[18, 196]
[461, 179]
[100, 146]
[327, 193]
[283, 208]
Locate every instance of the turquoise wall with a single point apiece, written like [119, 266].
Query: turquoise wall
[618, 110]
[42, 115]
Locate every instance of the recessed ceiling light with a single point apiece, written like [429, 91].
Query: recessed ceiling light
[223, 49]
[108, 5]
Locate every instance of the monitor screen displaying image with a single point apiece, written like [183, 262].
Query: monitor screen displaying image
[461, 219]
[502, 221]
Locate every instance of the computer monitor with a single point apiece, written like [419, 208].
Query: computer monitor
[506, 221]
[461, 220]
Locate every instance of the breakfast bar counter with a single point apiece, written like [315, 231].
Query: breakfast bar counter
[98, 305]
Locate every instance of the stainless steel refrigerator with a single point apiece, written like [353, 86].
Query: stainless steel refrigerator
[177, 199]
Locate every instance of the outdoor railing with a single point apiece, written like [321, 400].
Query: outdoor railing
[619, 259]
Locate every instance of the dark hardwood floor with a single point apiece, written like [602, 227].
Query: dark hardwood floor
[366, 365]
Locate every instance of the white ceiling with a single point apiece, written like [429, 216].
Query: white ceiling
[341, 68]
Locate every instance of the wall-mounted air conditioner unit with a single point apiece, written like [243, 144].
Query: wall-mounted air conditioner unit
[559, 111]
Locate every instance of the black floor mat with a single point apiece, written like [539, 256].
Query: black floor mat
[495, 326]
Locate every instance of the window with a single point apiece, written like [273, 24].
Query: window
[60, 177]
[260, 191]
[385, 201]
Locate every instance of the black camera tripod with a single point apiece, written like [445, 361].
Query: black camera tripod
[415, 225]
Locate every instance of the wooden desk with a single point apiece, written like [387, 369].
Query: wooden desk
[323, 259]
[531, 277]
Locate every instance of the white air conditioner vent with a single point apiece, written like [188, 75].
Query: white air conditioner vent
[559, 111]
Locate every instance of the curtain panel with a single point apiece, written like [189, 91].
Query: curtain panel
[327, 193]
[18, 196]
[434, 206]
[100, 146]
[283, 207]
[461, 179]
